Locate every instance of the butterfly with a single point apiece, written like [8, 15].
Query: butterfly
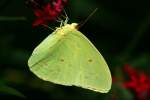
[67, 57]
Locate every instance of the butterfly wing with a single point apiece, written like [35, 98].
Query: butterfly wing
[67, 57]
[94, 72]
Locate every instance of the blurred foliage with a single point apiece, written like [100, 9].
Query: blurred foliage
[9, 91]
[119, 29]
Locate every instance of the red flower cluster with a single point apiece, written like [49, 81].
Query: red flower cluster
[139, 82]
[48, 12]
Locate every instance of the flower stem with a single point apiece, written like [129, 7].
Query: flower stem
[6, 18]
[136, 39]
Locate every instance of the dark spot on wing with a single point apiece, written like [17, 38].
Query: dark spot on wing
[62, 60]
[90, 60]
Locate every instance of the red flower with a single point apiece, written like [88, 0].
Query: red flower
[139, 82]
[48, 12]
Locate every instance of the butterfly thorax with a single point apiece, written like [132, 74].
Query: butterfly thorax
[66, 29]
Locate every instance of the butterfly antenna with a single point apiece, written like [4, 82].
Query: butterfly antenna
[46, 26]
[85, 21]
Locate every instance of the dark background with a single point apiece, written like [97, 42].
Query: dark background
[119, 29]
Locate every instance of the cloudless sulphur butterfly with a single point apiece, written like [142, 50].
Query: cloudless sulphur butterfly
[68, 58]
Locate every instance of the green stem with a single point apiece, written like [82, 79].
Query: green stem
[138, 35]
[6, 18]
